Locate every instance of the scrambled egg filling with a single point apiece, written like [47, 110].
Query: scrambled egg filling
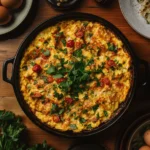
[74, 75]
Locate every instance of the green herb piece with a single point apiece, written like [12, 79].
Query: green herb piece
[89, 126]
[35, 82]
[82, 120]
[44, 78]
[90, 62]
[78, 53]
[57, 76]
[57, 95]
[97, 80]
[85, 23]
[86, 96]
[46, 66]
[97, 116]
[51, 70]
[56, 56]
[90, 34]
[112, 47]
[84, 111]
[73, 127]
[95, 107]
[25, 68]
[54, 108]
[58, 28]
[32, 63]
[60, 34]
[64, 42]
[46, 53]
[107, 58]
[105, 113]
[61, 111]
[63, 50]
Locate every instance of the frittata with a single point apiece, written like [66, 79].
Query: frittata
[75, 74]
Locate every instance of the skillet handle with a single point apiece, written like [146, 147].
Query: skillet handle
[146, 67]
[5, 64]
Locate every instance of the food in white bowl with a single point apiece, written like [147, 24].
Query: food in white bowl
[5, 16]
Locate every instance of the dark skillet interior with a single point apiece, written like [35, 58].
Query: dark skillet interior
[31, 36]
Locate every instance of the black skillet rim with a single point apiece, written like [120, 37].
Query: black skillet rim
[29, 38]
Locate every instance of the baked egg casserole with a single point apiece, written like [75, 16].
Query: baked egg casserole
[74, 75]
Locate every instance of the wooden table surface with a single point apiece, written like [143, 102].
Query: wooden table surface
[42, 11]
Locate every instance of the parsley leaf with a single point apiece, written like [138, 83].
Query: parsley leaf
[82, 120]
[64, 42]
[105, 113]
[95, 107]
[73, 127]
[57, 95]
[46, 53]
[112, 47]
[51, 70]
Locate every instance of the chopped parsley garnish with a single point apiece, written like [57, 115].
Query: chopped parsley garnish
[57, 95]
[56, 56]
[86, 96]
[78, 53]
[57, 76]
[85, 23]
[82, 120]
[84, 111]
[46, 53]
[64, 42]
[77, 77]
[97, 81]
[61, 111]
[105, 113]
[54, 108]
[63, 50]
[89, 126]
[60, 34]
[97, 116]
[51, 70]
[32, 63]
[73, 127]
[90, 62]
[95, 107]
[44, 78]
[112, 47]
[90, 34]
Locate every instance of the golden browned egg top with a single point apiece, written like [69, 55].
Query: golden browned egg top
[75, 74]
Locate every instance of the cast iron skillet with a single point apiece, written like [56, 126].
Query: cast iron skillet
[15, 61]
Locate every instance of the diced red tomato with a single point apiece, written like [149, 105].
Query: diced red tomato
[69, 100]
[111, 63]
[36, 95]
[41, 39]
[60, 80]
[119, 85]
[37, 68]
[105, 81]
[44, 57]
[50, 79]
[56, 118]
[70, 43]
[79, 34]
[78, 45]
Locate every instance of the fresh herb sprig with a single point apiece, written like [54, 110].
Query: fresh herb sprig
[12, 128]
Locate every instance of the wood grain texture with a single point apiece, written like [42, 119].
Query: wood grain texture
[10, 44]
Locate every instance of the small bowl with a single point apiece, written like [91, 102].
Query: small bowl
[134, 134]
[64, 6]
[138, 134]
